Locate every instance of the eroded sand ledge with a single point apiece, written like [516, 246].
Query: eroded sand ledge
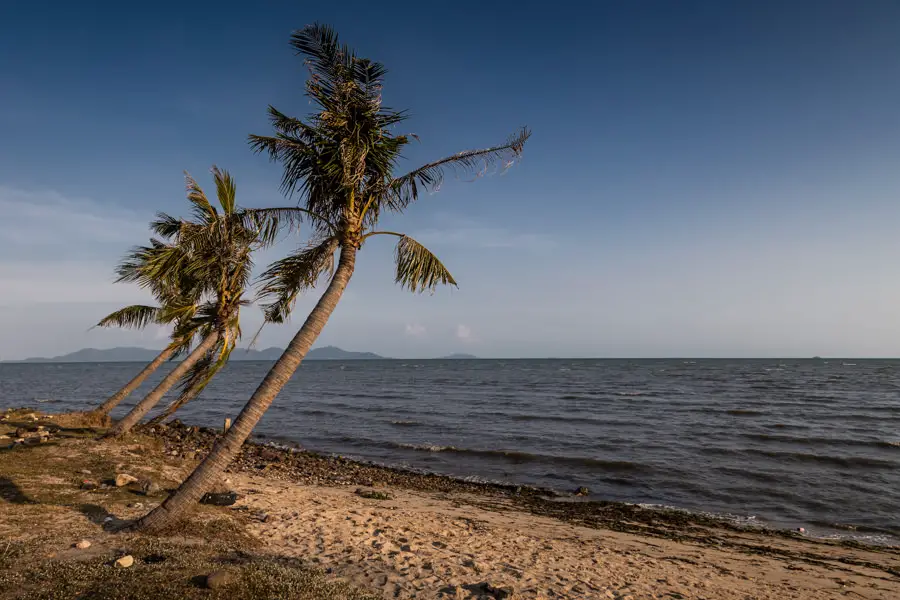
[436, 537]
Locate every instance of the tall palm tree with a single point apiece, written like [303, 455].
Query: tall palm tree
[341, 162]
[214, 251]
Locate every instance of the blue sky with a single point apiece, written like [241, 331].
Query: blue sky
[704, 178]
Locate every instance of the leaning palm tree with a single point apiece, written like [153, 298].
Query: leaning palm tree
[341, 162]
[139, 316]
[214, 251]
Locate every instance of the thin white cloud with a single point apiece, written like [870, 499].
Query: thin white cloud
[457, 231]
[59, 249]
[484, 237]
[464, 333]
[415, 330]
[49, 219]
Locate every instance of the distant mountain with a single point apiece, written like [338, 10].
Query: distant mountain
[458, 355]
[132, 354]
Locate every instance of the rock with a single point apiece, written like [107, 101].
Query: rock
[83, 545]
[219, 579]
[582, 491]
[124, 562]
[88, 484]
[123, 479]
[270, 455]
[32, 441]
[219, 499]
[85, 472]
[149, 487]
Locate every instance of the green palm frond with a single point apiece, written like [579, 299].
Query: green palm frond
[418, 269]
[203, 210]
[225, 189]
[136, 316]
[286, 278]
[165, 226]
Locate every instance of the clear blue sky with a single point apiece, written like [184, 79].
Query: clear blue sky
[705, 178]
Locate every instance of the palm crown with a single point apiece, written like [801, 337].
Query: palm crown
[198, 269]
[341, 163]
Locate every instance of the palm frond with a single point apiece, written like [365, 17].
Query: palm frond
[225, 189]
[418, 269]
[166, 226]
[288, 277]
[405, 189]
[136, 316]
[203, 210]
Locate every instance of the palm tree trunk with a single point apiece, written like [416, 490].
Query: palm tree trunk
[170, 410]
[114, 400]
[227, 448]
[152, 399]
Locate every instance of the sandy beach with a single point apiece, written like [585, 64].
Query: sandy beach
[394, 534]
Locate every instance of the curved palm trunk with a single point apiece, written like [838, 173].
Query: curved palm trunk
[209, 471]
[173, 408]
[114, 400]
[152, 399]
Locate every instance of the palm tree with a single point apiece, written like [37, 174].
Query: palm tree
[138, 316]
[214, 252]
[341, 162]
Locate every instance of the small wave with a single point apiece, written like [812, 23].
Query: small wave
[405, 423]
[825, 459]
[518, 456]
[745, 412]
[820, 441]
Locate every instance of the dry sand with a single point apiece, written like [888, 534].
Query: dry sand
[430, 539]
[419, 545]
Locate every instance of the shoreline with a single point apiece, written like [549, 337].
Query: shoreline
[399, 533]
[863, 535]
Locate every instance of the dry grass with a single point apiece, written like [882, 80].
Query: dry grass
[44, 511]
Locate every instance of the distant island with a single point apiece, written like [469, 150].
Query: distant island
[459, 355]
[134, 354]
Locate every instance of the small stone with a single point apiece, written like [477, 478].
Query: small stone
[85, 472]
[123, 479]
[219, 499]
[582, 491]
[801, 530]
[124, 562]
[149, 487]
[83, 545]
[87, 484]
[218, 579]
[406, 548]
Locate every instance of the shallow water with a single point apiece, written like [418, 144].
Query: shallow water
[788, 443]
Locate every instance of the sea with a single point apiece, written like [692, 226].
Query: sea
[776, 443]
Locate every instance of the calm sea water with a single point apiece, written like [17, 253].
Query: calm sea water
[787, 443]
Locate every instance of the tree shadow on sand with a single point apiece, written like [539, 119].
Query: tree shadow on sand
[102, 517]
[11, 492]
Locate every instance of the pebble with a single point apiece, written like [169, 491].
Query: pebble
[123, 479]
[124, 562]
[218, 579]
[219, 499]
[149, 487]
[87, 484]
[83, 545]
